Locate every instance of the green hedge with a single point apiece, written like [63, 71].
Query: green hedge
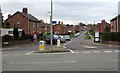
[110, 36]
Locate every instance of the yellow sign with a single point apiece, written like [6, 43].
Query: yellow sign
[41, 45]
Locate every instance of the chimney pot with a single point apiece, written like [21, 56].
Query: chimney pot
[25, 10]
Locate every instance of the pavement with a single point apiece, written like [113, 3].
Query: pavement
[92, 43]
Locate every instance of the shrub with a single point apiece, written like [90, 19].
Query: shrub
[87, 37]
[110, 36]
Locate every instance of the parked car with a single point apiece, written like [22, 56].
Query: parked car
[77, 34]
[62, 39]
[67, 38]
[54, 39]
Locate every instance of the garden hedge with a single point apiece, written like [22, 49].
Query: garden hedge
[110, 36]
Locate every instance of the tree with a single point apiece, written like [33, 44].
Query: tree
[81, 24]
[15, 32]
[106, 28]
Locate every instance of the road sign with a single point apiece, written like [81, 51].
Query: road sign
[54, 22]
[41, 45]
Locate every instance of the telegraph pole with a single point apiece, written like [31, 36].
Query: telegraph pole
[51, 26]
[0, 18]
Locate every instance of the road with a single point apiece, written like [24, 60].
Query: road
[80, 58]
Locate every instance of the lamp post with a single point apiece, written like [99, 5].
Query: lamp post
[0, 18]
[51, 26]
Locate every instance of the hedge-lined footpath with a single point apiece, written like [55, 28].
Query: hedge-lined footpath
[110, 36]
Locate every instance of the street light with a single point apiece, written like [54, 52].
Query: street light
[0, 18]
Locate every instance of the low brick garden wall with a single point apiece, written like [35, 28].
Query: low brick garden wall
[114, 43]
[16, 42]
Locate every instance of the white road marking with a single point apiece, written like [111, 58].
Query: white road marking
[107, 51]
[29, 53]
[96, 51]
[87, 52]
[90, 47]
[116, 51]
[71, 51]
[46, 62]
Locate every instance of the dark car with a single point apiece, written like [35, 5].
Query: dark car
[54, 39]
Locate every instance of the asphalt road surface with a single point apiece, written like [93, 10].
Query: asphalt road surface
[80, 58]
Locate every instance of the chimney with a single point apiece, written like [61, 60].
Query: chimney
[103, 21]
[61, 22]
[25, 10]
[58, 22]
[9, 15]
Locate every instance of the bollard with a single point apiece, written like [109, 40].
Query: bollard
[58, 43]
[41, 45]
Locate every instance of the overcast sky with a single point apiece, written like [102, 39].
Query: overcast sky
[68, 11]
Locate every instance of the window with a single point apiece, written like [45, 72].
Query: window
[33, 24]
[10, 32]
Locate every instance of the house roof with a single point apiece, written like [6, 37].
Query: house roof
[115, 18]
[63, 25]
[45, 25]
[28, 16]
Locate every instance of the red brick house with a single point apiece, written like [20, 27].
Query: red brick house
[77, 28]
[24, 21]
[43, 27]
[115, 24]
[69, 28]
[59, 28]
[101, 27]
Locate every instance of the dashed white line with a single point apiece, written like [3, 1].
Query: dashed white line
[87, 52]
[90, 47]
[107, 51]
[96, 51]
[29, 53]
